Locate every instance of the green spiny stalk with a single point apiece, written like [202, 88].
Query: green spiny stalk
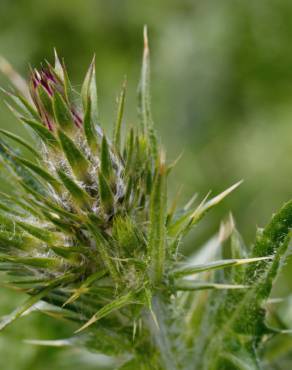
[89, 229]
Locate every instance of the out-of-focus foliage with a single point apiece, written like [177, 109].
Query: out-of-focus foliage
[222, 90]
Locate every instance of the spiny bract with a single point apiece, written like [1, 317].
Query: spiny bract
[88, 231]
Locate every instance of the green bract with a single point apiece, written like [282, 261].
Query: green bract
[89, 229]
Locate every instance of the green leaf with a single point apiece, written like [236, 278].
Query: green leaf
[76, 159]
[17, 240]
[11, 210]
[62, 113]
[40, 172]
[188, 219]
[129, 152]
[106, 194]
[46, 135]
[78, 194]
[116, 304]
[71, 253]
[22, 104]
[195, 269]
[38, 262]
[144, 98]
[38, 232]
[89, 129]
[58, 68]
[119, 120]
[7, 320]
[45, 99]
[45, 203]
[105, 160]
[127, 234]
[206, 206]
[20, 174]
[89, 91]
[53, 343]
[22, 204]
[19, 140]
[237, 250]
[179, 224]
[71, 95]
[157, 234]
[84, 287]
[191, 285]
[103, 247]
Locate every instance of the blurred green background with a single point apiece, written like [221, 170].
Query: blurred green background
[221, 93]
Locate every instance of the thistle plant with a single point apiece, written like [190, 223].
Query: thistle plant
[88, 232]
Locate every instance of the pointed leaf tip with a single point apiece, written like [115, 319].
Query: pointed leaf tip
[207, 205]
[89, 91]
[119, 119]
[145, 37]
[107, 309]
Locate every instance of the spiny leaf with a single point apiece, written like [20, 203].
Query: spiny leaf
[11, 210]
[52, 343]
[105, 160]
[46, 136]
[116, 304]
[23, 308]
[38, 262]
[127, 234]
[195, 269]
[89, 130]
[106, 194]
[38, 232]
[189, 218]
[85, 286]
[62, 114]
[178, 224]
[144, 98]
[19, 140]
[78, 194]
[21, 203]
[103, 248]
[75, 157]
[156, 243]
[46, 99]
[119, 120]
[70, 94]
[173, 207]
[43, 202]
[58, 68]
[22, 104]
[89, 91]
[237, 250]
[72, 254]
[206, 206]
[17, 240]
[7, 320]
[40, 172]
[191, 285]
[20, 174]
[129, 151]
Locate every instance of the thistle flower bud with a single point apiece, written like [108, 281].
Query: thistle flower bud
[48, 93]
